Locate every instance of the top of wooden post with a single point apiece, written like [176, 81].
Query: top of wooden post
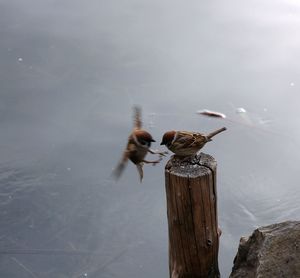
[197, 166]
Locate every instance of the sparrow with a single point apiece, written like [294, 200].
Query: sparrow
[138, 145]
[186, 143]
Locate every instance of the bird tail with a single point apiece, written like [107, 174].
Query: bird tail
[212, 134]
[137, 117]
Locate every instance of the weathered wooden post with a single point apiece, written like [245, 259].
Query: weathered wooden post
[192, 217]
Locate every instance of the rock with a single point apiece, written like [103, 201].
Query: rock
[271, 251]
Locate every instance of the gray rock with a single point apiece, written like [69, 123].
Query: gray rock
[271, 251]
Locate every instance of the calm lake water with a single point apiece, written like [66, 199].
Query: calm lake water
[70, 73]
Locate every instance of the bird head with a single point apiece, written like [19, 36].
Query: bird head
[168, 137]
[144, 137]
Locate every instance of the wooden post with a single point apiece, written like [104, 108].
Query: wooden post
[192, 217]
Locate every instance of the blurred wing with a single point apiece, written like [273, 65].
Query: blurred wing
[117, 172]
[137, 117]
[140, 170]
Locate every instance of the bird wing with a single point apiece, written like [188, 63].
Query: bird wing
[189, 139]
[117, 172]
[137, 117]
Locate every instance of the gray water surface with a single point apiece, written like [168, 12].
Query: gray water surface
[70, 73]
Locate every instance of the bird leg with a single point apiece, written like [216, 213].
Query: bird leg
[157, 152]
[153, 162]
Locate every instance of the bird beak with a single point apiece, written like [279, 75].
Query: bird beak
[162, 143]
[153, 140]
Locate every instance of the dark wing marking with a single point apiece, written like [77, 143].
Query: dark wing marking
[187, 139]
[190, 140]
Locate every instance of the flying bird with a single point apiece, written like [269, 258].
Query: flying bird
[138, 145]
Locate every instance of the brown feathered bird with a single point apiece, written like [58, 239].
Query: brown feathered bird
[186, 143]
[138, 145]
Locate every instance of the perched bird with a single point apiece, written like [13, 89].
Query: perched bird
[138, 145]
[186, 143]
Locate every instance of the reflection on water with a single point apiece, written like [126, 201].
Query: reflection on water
[70, 73]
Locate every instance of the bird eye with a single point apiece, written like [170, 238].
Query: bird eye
[145, 143]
